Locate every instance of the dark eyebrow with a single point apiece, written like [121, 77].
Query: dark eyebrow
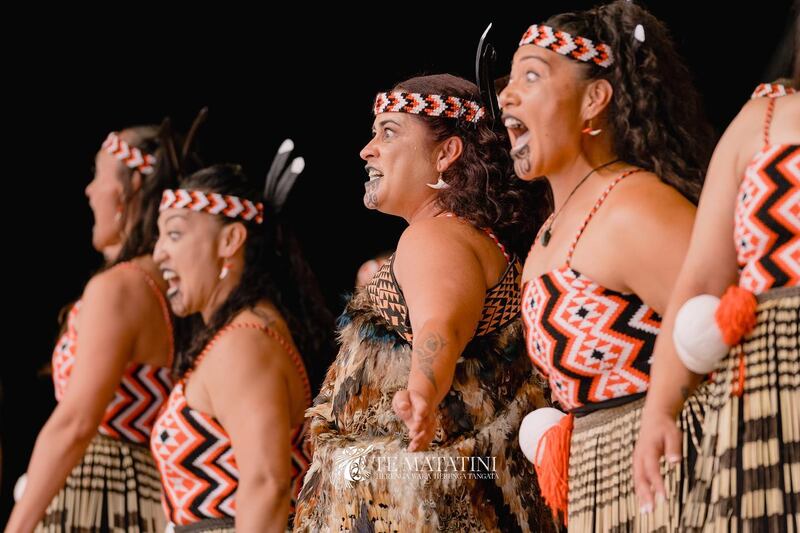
[535, 57]
[176, 215]
[384, 122]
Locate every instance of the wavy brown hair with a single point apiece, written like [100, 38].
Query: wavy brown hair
[655, 115]
[483, 187]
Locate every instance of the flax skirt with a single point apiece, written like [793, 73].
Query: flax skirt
[115, 488]
[748, 474]
[601, 492]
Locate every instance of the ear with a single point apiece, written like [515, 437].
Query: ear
[232, 238]
[449, 150]
[596, 98]
[136, 182]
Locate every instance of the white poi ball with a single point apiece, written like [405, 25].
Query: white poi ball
[19, 487]
[533, 426]
[698, 339]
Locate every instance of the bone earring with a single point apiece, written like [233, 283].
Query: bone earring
[591, 131]
[440, 184]
[226, 268]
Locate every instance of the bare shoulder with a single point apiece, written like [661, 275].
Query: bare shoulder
[644, 196]
[246, 344]
[429, 249]
[432, 232]
[122, 290]
[747, 124]
[239, 351]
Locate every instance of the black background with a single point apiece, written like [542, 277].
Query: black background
[310, 74]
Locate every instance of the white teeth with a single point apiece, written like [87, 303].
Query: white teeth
[375, 174]
[522, 140]
[168, 275]
[512, 123]
[172, 292]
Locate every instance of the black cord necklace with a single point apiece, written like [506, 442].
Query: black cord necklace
[545, 239]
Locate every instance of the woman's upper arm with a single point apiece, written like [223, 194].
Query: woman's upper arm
[249, 393]
[107, 332]
[441, 277]
[711, 263]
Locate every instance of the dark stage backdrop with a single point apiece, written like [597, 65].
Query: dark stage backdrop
[309, 74]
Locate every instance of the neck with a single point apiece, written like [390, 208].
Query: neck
[427, 209]
[220, 293]
[110, 253]
[564, 180]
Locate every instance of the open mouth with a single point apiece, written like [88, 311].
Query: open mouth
[518, 133]
[374, 174]
[173, 282]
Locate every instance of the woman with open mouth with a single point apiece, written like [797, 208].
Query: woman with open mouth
[91, 469]
[414, 428]
[230, 443]
[599, 104]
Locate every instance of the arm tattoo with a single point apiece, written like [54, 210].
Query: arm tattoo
[426, 351]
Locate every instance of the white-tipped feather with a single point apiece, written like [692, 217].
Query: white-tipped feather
[298, 165]
[281, 177]
[286, 146]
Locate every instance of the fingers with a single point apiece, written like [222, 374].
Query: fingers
[420, 408]
[673, 446]
[641, 482]
[421, 439]
[647, 477]
[416, 413]
[401, 404]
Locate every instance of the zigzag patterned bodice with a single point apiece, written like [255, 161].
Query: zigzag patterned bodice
[767, 216]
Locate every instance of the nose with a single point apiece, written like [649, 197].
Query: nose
[159, 254]
[370, 150]
[508, 96]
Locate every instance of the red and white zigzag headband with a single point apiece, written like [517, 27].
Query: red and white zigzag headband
[213, 203]
[432, 105]
[563, 43]
[130, 156]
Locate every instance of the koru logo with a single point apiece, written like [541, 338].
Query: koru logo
[350, 465]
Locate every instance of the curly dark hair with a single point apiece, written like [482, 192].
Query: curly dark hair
[275, 270]
[483, 187]
[656, 115]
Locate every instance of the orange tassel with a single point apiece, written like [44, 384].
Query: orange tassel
[737, 388]
[736, 314]
[554, 469]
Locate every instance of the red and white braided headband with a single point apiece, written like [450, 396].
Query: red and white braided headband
[563, 43]
[130, 156]
[213, 203]
[432, 105]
